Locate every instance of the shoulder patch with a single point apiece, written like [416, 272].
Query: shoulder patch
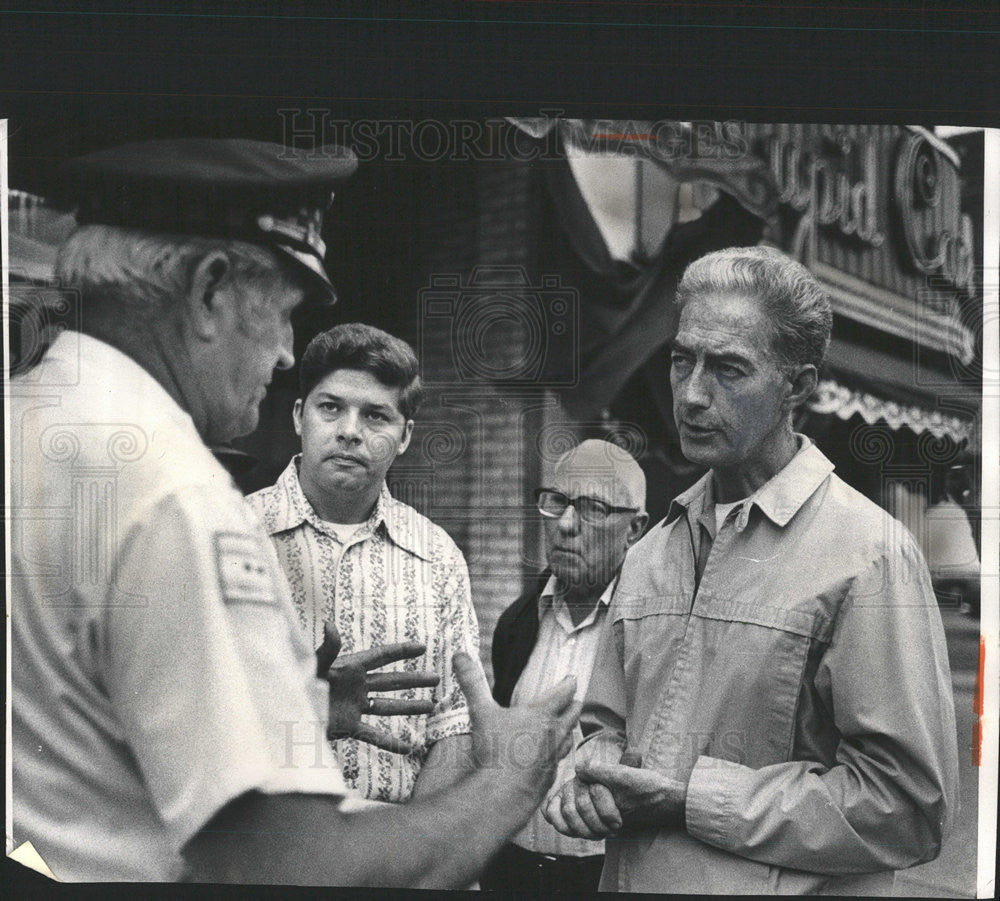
[244, 575]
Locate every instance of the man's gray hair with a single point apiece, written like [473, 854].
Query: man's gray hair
[142, 272]
[798, 308]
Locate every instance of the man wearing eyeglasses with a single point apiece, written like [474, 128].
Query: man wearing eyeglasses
[594, 509]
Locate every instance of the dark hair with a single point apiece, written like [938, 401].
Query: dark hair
[355, 345]
[799, 309]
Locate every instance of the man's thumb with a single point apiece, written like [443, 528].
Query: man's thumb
[595, 771]
[631, 758]
[327, 652]
[472, 680]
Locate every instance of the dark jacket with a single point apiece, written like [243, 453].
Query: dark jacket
[514, 639]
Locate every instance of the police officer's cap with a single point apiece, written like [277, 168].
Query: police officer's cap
[238, 189]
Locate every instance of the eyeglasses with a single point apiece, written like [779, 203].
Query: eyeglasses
[554, 503]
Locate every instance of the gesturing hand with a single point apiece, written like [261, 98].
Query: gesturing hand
[350, 683]
[524, 743]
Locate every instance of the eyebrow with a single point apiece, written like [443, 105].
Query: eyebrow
[383, 408]
[725, 356]
[585, 495]
[380, 407]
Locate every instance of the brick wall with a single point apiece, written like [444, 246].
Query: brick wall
[473, 461]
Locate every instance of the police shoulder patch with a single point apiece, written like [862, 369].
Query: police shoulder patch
[244, 574]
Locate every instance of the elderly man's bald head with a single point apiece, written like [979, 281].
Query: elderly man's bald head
[586, 550]
[601, 462]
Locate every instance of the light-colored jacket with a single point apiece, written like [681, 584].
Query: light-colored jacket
[802, 692]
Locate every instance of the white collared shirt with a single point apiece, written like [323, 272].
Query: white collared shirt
[562, 649]
[158, 669]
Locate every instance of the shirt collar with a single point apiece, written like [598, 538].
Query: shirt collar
[121, 375]
[779, 499]
[550, 600]
[400, 521]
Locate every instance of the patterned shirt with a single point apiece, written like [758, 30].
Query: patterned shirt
[398, 577]
[562, 649]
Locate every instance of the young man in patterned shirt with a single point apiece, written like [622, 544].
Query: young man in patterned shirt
[369, 564]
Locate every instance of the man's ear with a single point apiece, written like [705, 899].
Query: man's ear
[802, 383]
[297, 416]
[202, 301]
[636, 527]
[407, 434]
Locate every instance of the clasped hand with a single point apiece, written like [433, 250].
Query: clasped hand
[605, 797]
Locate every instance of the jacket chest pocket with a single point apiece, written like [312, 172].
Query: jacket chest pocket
[733, 689]
[756, 658]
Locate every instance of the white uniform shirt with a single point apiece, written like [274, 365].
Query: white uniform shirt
[159, 670]
[561, 650]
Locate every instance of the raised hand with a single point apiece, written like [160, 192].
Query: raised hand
[524, 743]
[351, 682]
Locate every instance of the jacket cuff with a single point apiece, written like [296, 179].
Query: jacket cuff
[710, 810]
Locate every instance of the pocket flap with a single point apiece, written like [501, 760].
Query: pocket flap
[810, 624]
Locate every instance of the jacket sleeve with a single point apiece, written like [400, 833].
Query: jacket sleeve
[602, 720]
[514, 639]
[890, 798]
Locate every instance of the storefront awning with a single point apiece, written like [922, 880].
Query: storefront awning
[834, 398]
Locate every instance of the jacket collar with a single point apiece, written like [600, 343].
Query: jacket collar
[400, 522]
[779, 499]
